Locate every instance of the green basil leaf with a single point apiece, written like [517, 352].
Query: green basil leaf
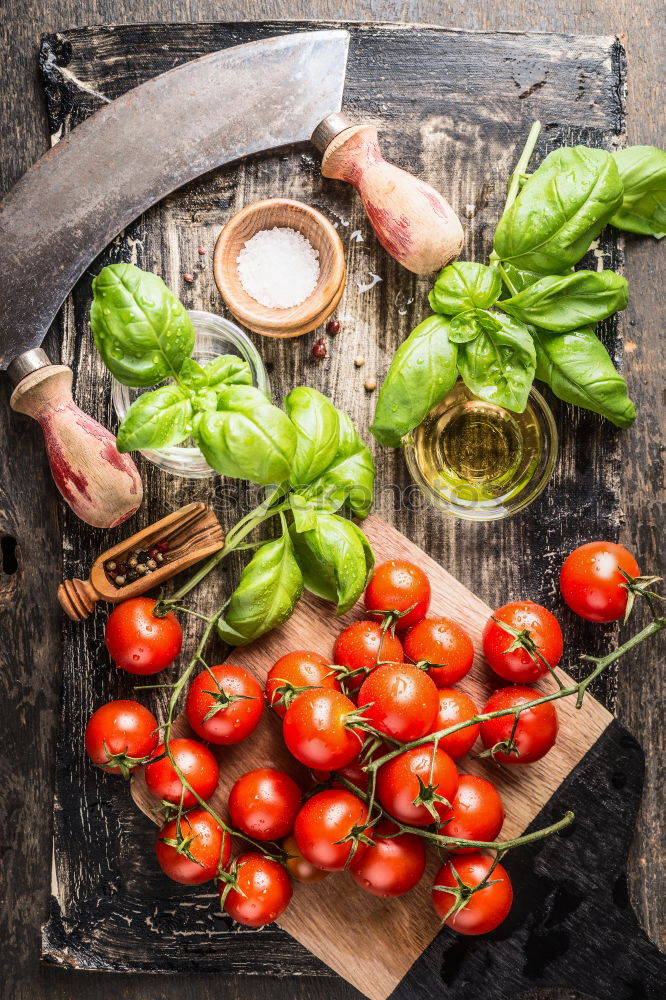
[335, 559]
[568, 301]
[192, 374]
[269, 589]
[205, 399]
[579, 370]
[499, 366]
[228, 369]
[349, 478]
[560, 210]
[465, 285]
[317, 430]
[423, 370]
[466, 326]
[156, 420]
[643, 208]
[518, 279]
[247, 437]
[141, 330]
[305, 512]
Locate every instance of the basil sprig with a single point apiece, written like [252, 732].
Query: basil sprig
[318, 470]
[529, 314]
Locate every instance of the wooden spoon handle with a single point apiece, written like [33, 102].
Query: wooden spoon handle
[101, 486]
[413, 222]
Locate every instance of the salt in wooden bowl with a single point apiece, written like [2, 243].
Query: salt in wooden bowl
[315, 227]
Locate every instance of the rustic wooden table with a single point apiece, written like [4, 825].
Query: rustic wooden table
[29, 616]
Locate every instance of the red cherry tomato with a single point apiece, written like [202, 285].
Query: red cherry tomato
[477, 814]
[485, 909]
[392, 865]
[398, 784]
[197, 764]
[455, 706]
[443, 643]
[232, 695]
[263, 803]
[263, 891]
[361, 646]
[538, 626]
[316, 732]
[297, 866]
[535, 733]
[203, 838]
[399, 700]
[294, 671]
[400, 587]
[591, 582]
[324, 829]
[119, 735]
[139, 642]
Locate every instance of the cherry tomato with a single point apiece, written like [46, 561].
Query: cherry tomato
[361, 646]
[294, 671]
[400, 587]
[536, 730]
[297, 866]
[201, 837]
[398, 784]
[443, 643]
[538, 625]
[399, 700]
[323, 829]
[455, 706]
[139, 642]
[485, 909]
[197, 764]
[591, 582]
[263, 803]
[316, 732]
[477, 814]
[232, 695]
[119, 735]
[263, 891]
[392, 865]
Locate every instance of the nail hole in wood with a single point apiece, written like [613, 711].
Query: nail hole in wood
[9, 561]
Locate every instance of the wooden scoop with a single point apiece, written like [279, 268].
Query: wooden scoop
[193, 532]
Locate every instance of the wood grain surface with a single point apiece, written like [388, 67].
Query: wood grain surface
[30, 511]
[326, 917]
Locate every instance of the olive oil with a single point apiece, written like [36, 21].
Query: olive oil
[479, 460]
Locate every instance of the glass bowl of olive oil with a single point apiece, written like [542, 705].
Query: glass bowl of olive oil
[479, 461]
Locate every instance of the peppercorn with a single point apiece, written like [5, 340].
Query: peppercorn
[111, 565]
[201, 251]
[333, 326]
[132, 562]
[370, 384]
[189, 278]
[359, 362]
[142, 569]
[319, 349]
[151, 564]
[119, 581]
[162, 546]
[159, 557]
[132, 575]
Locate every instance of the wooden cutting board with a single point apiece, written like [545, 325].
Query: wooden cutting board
[326, 918]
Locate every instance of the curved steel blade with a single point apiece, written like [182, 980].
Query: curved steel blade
[144, 145]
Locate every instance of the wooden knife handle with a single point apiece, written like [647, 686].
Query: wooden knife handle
[101, 486]
[413, 222]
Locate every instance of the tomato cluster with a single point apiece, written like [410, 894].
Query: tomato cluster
[360, 720]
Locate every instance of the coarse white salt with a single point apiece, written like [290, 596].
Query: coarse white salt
[279, 267]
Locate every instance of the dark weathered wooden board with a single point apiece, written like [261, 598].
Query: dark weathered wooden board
[531, 76]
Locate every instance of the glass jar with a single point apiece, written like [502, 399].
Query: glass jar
[477, 460]
[214, 336]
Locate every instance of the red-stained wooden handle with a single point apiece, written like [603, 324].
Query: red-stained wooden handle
[413, 222]
[101, 486]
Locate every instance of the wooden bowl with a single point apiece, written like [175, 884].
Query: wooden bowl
[280, 212]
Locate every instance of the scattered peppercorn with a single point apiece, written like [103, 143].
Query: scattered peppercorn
[333, 326]
[189, 278]
[319, 349]
[359, 362]
[370, 384]
[202, 251]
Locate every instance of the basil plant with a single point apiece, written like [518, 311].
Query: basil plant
[528, 314]
[318, 472]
